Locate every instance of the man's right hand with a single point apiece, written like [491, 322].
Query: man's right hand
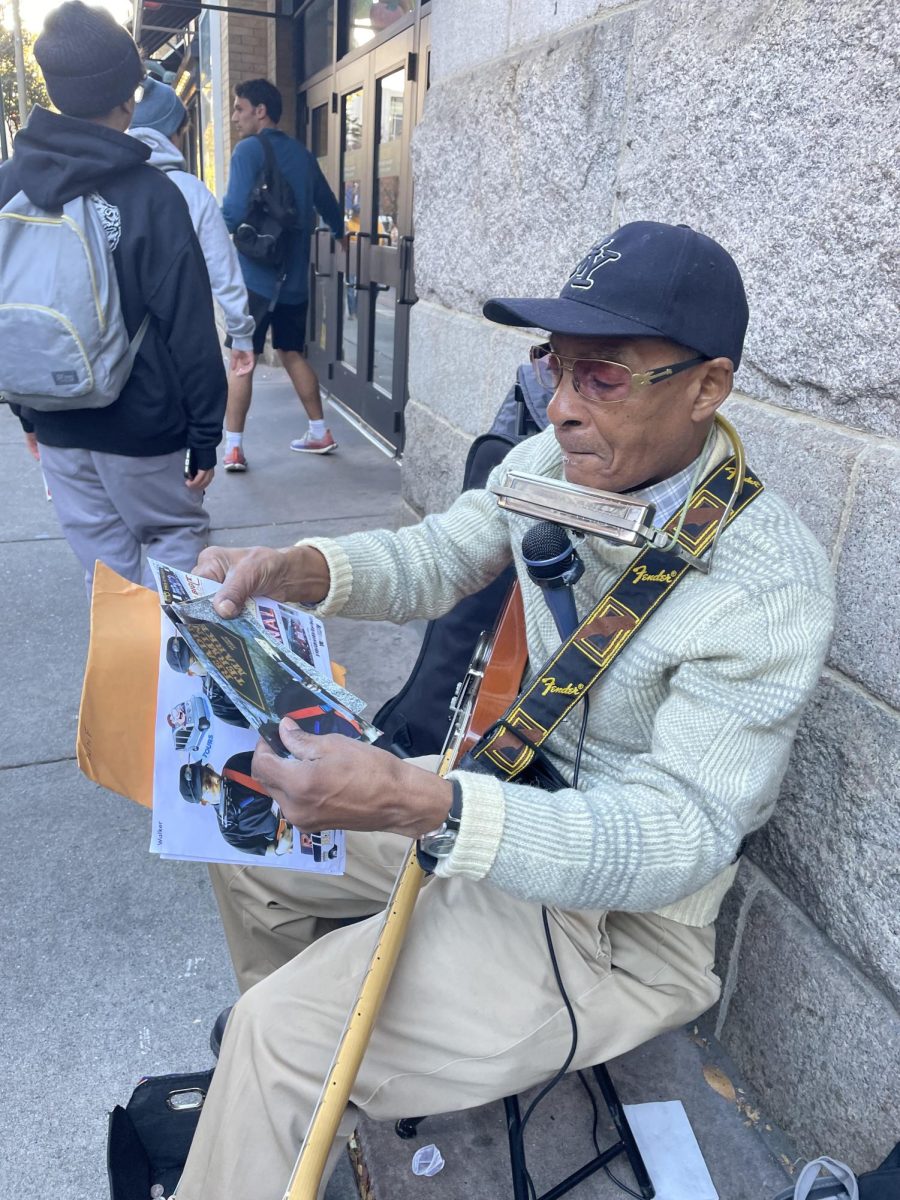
[32, 444]
[242, 362]
[298, 573]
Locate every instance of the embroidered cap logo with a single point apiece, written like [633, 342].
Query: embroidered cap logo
[599, 256]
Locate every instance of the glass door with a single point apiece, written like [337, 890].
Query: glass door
[359, 123]
[322, 320]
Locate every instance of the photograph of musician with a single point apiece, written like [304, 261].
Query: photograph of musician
[180, 658]
[312, 714]
[246, 817]
[680, 757]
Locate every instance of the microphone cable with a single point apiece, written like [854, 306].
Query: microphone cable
[573, 1046]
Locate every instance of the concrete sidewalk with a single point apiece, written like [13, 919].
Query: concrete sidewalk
[114, 964]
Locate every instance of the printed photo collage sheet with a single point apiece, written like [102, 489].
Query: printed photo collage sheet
[222, 686]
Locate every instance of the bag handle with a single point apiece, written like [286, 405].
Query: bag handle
[808, 1177]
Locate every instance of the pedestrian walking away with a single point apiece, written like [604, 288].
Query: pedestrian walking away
[117, 377]
[160, 121]
[278, 295]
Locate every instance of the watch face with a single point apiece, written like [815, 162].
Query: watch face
[440, 844]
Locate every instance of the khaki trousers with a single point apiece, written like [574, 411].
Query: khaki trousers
[473, 1012]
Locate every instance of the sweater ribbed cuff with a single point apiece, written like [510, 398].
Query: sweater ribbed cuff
[483, 811]
[340, 572]
[204, 459]
[702, 908]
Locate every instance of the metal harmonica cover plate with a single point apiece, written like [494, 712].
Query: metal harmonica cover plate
[576, 507]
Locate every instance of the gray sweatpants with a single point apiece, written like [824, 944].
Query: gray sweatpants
[111, 505]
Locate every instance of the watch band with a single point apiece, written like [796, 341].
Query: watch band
[439, 843]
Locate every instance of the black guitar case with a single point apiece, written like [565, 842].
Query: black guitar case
[416, 720]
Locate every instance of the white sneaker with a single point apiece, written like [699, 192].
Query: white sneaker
[312, 445]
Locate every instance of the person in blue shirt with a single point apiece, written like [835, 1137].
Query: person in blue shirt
[256, 113]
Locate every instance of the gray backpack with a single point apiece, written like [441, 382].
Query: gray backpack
[61, 326]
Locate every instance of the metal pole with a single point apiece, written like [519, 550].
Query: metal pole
[4, 146]
[20, 63]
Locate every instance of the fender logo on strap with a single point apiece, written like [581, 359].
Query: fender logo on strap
[641, 573]
[588, 653]
[552, 688]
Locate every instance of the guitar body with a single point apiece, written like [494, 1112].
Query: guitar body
[491, 683]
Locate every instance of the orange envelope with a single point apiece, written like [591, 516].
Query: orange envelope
[117, 717]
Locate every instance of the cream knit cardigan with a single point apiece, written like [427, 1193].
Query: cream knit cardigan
[689, 732]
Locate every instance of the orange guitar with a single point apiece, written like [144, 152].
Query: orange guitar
[490, 685]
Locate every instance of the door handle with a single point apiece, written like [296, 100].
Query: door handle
[379, 238]
[351, 234]
[406, 245]
[357, 286]
[319, 274]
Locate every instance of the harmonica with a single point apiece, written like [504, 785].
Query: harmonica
[587, 510]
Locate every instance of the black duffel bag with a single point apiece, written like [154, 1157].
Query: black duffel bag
[150, 1137]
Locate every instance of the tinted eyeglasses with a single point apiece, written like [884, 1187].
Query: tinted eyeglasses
[597, 378]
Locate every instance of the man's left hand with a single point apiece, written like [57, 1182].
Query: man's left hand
[335, 782]
[201, 481]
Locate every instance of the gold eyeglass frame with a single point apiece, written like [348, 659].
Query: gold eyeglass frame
[638, 378]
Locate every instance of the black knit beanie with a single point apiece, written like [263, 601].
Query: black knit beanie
[90, 63]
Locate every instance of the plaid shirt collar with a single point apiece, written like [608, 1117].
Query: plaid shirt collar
[668, 495]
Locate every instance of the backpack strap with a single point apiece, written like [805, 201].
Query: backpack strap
[134, 345]
[805, 1185]
[270, 167]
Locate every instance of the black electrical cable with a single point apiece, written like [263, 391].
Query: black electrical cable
[548, 1087]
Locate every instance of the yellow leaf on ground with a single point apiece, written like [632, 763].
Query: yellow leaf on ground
[719, 1082]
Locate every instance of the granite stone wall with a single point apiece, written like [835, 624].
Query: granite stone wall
[771, 125]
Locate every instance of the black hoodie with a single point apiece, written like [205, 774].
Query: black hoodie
[175, 396]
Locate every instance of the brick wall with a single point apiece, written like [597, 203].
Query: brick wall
[254, 48]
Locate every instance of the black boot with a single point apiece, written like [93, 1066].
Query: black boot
[215, 1037]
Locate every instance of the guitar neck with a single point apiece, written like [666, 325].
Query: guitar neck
[494, 684]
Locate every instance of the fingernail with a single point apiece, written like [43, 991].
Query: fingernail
[225, 607]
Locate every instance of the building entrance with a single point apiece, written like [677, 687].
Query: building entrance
[358, 125]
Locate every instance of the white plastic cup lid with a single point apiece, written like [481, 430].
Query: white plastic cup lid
[427, 1161]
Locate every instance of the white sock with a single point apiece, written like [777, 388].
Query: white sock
[233, 439]
[317, 429]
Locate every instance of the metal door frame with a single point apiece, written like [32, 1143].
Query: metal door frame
[373, 265]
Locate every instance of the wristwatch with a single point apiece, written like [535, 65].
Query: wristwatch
[440, 842]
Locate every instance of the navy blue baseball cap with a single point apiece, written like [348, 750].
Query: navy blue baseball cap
[645, 280]
[190, 782]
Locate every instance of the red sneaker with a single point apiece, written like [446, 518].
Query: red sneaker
[234, 459]
[310, 445]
